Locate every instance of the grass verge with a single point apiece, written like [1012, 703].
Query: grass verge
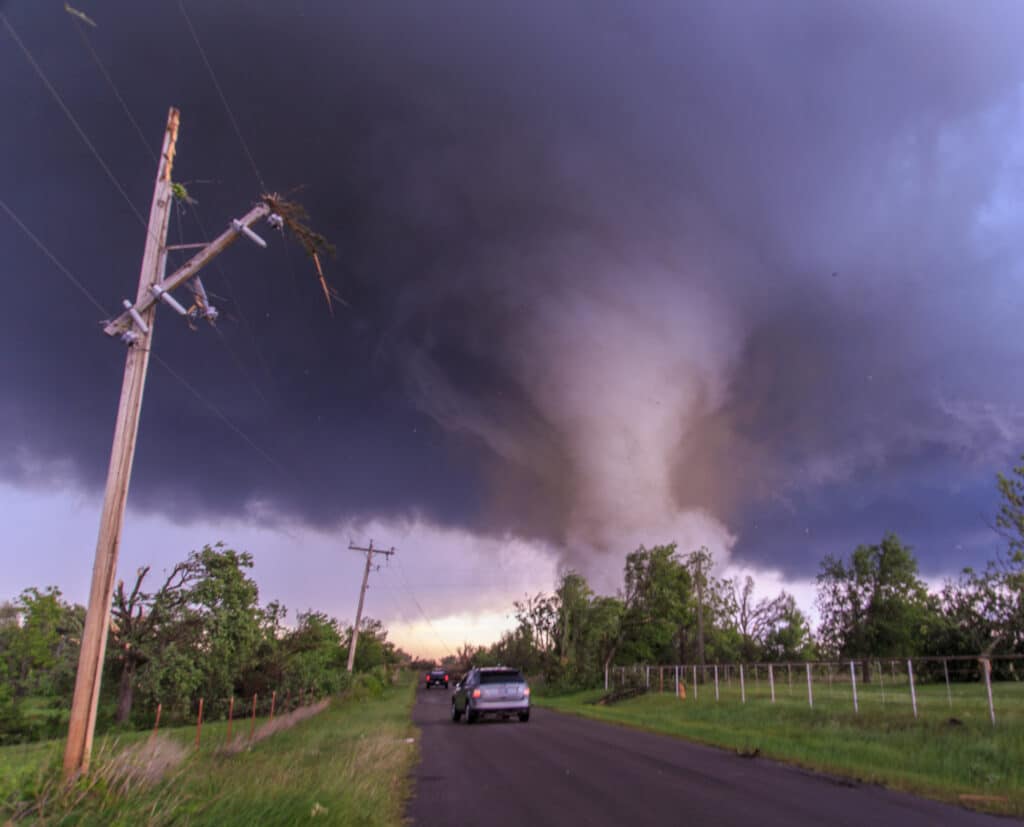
[960, 761]
[348, 765]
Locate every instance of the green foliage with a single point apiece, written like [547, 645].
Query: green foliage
[1010, 520]
[874, 604]
[199, 633]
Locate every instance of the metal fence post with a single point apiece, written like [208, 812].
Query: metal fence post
[716, 681]
[810, 692]
[853, 683]
[945, 671]
[677, 681]
[743, 687]
[695, 683]
[647, 670]
[988, 689]
[881, 681]
[771, 681]
[913, 692]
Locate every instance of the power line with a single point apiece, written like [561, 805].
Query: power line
[184, 382]
[223, 417]
[223, 98]
[49, 254]
[78, 128]
[408, 589]
[113, 87]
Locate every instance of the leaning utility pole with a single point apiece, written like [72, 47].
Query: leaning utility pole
[370, 551]
[135, 329]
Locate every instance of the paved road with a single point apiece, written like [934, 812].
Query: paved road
[563, 770]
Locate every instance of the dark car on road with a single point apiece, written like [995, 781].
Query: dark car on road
[495, 690]
[436, 677]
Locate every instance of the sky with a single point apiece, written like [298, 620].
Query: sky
[740, 275]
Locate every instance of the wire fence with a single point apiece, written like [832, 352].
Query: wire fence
[957, 689]
[240, 713]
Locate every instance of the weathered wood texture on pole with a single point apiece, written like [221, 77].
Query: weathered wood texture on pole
[97, 620]
[359, 611]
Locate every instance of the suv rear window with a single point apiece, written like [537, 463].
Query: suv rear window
[506, 676]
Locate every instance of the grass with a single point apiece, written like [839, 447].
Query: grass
[937, 755]
[348, 765]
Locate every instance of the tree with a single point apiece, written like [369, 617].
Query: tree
[143, 623]
[782, 630]
[655, 597]
[1010, 520]
[873, 605]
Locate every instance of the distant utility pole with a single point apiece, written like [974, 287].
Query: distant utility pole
[135, 328]
[370, 551]
[700, 558]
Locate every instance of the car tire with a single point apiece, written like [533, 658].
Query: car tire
[470, 716]
[524, 716]
[455, 713]
[428, 687]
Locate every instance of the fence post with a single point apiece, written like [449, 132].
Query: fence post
[231, 715]
[743, 687]
[881, 681]
[252, 726]
[853, 683]
[913, 692]
[695, 683]
[677, 681]
[647, 676]
[156, 726]
[771, 681]
[810, 692]
[949, 694]
[273, 703]
[661, 680]
[199, 722]
[606, 677]
[988, 689]
[716, 681]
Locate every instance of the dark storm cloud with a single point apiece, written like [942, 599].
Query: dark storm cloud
[608, 263]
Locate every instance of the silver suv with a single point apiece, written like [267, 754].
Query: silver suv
[494, 690]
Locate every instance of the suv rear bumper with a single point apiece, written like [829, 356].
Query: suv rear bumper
[482, 707]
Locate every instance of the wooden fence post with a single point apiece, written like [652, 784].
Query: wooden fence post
[273, 702]
[252, 726]
[199, 723]
[231, 715]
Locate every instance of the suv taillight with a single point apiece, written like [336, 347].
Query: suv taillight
[476, 693]
[446, 677]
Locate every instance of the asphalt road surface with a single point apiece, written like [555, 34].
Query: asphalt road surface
[562, 770]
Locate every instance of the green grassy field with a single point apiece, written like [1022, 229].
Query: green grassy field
[883, 743]
[348, 765]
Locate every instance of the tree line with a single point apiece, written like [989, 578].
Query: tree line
[671, 608]
[199, 630]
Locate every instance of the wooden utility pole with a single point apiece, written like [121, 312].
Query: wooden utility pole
[370, 551]
[135, 328]
[97, 618]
